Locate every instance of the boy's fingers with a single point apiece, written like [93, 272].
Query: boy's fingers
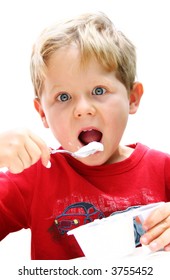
[167, 247]
[25, 158]
[156, 231]
[158, 215]
[40, 143]
[22, 148]
[16, 166]
[33, 151]
[160, 242]
[44, 150]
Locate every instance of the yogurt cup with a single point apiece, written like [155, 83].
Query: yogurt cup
[106, 238]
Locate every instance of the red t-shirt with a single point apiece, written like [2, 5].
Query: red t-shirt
[52, 201]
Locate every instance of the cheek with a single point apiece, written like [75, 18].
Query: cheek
[118, 112]
[117, 117]
[60, 130]
[58, 124]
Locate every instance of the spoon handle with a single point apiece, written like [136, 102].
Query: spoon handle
[60, 151]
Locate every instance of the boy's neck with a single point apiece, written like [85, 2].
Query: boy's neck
[122, 153]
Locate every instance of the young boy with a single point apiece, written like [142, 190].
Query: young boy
[83, 71]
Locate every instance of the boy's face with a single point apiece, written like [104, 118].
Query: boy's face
[84, 104]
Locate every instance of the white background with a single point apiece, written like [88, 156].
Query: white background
[145, 22]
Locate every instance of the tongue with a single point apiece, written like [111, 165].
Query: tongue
[89, 136]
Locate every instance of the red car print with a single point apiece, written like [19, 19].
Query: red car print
[77, 214]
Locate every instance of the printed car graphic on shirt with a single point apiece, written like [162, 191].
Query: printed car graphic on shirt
[77, 214]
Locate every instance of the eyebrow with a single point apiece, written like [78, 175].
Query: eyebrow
[96, 82]
[56, 86]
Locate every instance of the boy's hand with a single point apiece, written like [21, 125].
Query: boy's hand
[19, 149]
[157, 227]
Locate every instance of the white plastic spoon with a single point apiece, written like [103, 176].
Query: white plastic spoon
[84, 151]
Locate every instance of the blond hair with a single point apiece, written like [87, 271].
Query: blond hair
[96, 37]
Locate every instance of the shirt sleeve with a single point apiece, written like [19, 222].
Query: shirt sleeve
[16, 191]
[167, 177]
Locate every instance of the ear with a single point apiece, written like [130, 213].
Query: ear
[135, 97]
[39, 109]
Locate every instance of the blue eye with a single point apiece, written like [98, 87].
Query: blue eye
[63, 97]
[98, 91]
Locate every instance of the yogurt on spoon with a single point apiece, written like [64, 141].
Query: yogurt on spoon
[83, 152]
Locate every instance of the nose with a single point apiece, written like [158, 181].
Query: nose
[84, 107]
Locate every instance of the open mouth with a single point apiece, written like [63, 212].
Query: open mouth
[87, 136]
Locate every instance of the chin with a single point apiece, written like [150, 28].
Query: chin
[92, 162]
